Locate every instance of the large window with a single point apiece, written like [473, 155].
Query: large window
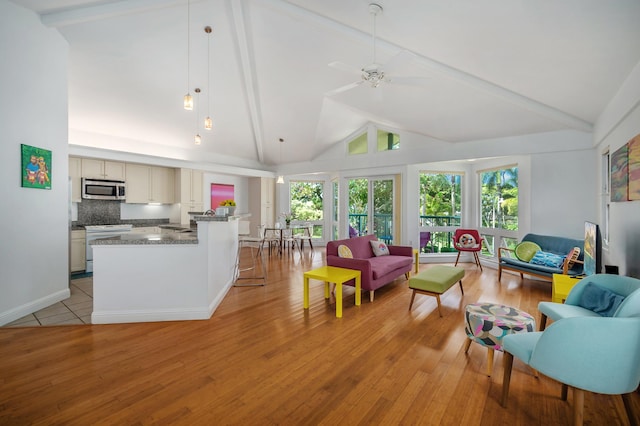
[440, 210]
[498, 208]
[307, 199]
[387, 141]
[359, 145]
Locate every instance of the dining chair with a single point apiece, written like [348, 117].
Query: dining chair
[593, 354]
[255, 244]
[306, 235]
[289, 241]
[271, 238]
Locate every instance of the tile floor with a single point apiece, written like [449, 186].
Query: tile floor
[74, 310]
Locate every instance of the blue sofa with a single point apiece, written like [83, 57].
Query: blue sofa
[551, 244]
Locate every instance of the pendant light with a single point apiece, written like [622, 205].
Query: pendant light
[188, 99]
[208, 122]
[280, 177]
[197, 139]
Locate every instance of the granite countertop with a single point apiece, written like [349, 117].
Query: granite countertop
[148, 239]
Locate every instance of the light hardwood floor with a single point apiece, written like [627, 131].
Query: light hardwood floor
[263, 360]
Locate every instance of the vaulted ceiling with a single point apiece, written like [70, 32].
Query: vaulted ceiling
[455, 70]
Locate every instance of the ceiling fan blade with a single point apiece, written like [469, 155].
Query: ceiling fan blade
[346, 68]
[400, 61]
[343, 88]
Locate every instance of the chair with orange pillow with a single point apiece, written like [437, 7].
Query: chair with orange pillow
[468, 240]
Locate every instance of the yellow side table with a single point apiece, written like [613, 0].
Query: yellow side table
[416, 261]
[561, 286]
[333, 274]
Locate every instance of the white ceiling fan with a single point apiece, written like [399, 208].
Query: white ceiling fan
[374, 74]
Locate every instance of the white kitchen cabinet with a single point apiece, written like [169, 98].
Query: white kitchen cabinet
[189, 193]
[149, 184]
[78, 250]
[103, 169]
[75, 173]
[261, 202]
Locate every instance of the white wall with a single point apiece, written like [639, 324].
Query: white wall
[34, 253]
[562, 192]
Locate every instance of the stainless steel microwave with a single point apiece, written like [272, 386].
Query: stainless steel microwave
[102, 189]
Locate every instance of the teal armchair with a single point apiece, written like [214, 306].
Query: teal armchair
[627, 287]
[595, 354]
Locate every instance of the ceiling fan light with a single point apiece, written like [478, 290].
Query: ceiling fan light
[188, 102]
[280, 179]
[208, 123]
[198, 139]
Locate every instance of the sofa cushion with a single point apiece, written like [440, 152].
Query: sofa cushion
[382, 265]
[547, 259]
[600, 300]
[379, 248]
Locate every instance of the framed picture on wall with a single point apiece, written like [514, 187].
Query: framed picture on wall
[220, 192]
[35, 167]
[619, 174]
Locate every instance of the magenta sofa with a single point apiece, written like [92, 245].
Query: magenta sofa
[376, 271]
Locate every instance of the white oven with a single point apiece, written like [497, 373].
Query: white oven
[93, 232]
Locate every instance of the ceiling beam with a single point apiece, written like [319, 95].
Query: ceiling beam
[463, 77]
[89, 13]
[249, 75]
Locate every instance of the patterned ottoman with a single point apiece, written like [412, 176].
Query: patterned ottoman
[488, 323]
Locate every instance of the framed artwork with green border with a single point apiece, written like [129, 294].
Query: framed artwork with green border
[35, 167]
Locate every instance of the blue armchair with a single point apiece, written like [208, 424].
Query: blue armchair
[585, 353]
[627, 287]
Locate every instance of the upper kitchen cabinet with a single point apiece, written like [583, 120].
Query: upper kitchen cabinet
[189, 183]
[189, 192]
[75, 173]
[150, 184]
[103, 169]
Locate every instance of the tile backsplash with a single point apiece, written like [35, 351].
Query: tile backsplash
[99, 212]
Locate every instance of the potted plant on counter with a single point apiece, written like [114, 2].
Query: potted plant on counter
[230, 205]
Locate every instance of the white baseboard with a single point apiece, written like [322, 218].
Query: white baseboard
[33, 306]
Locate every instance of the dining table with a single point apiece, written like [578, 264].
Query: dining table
[280, 232]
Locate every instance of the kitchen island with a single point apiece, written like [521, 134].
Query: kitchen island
[164, 277]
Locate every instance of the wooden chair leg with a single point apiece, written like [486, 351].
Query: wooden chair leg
[467, 344]
[371, 295]
[564, 392]
[438, 299]
[475, 254]
[490, 354]
[506, 379]
[578, 407]
[461, 289]
[457, 258]
[543, 322]
[413, 296]
[628, 407]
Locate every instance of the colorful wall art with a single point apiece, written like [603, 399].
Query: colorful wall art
[220, 192]
[634, 168]
[625, 171]
[35, 167]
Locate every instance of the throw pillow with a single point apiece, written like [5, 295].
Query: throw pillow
[466, 241]
[544, 258]
[600, 300]
[526, 250]
[344, 251]
[573, 256]
[379, 248]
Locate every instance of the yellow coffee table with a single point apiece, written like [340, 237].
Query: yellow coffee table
[338, 276]
[561, 286]
[416, 261]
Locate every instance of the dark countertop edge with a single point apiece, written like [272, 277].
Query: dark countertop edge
[144, 240]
